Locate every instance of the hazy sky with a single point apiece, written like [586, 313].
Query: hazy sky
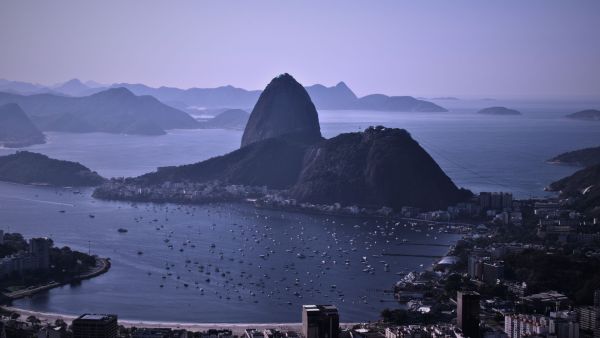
[487, 48]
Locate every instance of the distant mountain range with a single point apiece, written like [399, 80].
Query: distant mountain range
[115, 110]
[337, 97]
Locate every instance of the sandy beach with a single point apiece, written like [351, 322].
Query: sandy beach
[237, 328]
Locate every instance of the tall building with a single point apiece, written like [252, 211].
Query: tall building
[1, 237]
[320, 321]
[95, 326]
[467, 313]
[39, 248]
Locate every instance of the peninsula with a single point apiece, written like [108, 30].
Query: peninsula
[32, 168]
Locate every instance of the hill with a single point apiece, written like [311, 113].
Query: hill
[587, 115]
[377, 167]
[584, 187]
[229, 119]
[582, 157]
[32, 168]
[16, 130]
[114, 110]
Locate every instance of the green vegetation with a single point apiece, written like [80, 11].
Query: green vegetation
[28, 168]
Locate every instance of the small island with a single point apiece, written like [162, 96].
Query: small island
[582, 157]
[16, 129]
[499, 111]
[586, 115]
[32, 168]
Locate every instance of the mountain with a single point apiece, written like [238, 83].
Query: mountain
[229, 119]
[584, 187]
[379, 166]
[283, 150]
[337, 97]
[75, 87]
[382, 102]
[588, 115]
[19, 87]
[32, 168]
[16, 130]
[115, 110]
[283, 108]
[498, 111]
[582, 157]
[226, 96]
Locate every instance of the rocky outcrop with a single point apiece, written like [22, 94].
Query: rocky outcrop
[283, 109]
[377, 167]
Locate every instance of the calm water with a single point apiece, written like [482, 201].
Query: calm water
[477, 152]
[255, 272]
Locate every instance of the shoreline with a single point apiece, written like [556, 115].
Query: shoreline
[48, 317]
[103, 267]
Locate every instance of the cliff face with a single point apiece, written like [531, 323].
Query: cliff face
[16, 130]
[377, 167]
[283, 108]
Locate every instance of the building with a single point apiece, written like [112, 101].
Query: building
[50, 332]
[320, 321]
[492, 272]
[520, 325]
[1, 237]
[39, 248]
[467, 313]
[586, 316]
[95, 326]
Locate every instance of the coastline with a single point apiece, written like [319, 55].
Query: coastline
[46, 317]
[102, 267]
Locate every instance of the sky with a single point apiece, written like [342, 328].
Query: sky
[496, 48]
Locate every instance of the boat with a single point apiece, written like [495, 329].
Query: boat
[122, 230]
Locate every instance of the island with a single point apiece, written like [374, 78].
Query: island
[498, 111]
[582, 157]
[235, 119]
[16, 129]
[586, 115]
[32, 168]
[283, 157]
